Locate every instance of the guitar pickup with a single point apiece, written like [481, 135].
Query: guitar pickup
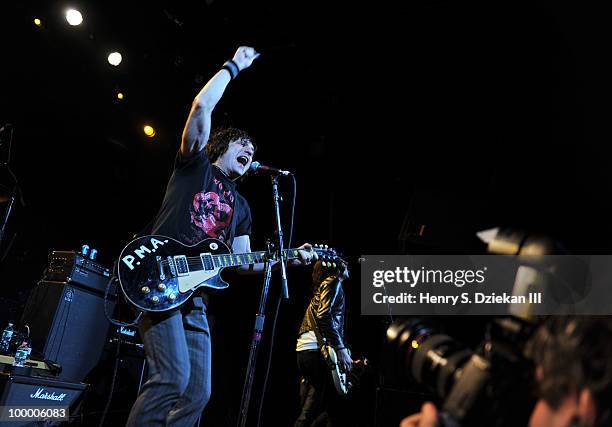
[182, 268]
[207, 262]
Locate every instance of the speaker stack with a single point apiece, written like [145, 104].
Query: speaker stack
[65, 314]
[68, 329]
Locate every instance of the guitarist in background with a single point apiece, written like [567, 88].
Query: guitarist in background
[201, 201]
[323, 320]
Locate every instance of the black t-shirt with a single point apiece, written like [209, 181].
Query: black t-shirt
[201, 202]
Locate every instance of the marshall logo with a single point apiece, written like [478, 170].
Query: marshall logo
[128, 332]
[44, 395]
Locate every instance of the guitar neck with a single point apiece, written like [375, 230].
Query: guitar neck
[234, 260]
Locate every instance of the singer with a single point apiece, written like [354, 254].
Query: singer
[201, 201]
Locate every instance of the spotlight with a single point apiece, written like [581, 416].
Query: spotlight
[74, 17]
[37, 22]
[119, 95]
[149, 131]
[114, 58]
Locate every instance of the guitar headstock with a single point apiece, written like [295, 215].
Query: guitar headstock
[330, 258]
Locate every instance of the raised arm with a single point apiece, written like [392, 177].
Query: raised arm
[197, 128]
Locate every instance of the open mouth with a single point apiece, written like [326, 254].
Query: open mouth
[243, 160]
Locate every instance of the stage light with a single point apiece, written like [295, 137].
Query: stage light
[37, 22]
[149, 131]
[74, 17]
[114, 58]
[119, 95]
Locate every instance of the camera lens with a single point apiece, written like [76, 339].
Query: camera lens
[432, 359]
[472, 386]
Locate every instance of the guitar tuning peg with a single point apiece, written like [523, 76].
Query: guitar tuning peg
[324, 264]
[333, 265]
[326, 247]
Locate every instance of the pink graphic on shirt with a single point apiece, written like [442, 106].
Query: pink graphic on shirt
[211, 214]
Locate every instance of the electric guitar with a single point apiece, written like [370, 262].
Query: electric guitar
[343, 381]
[158, 273]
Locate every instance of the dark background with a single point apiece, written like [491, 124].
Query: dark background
[454, 115]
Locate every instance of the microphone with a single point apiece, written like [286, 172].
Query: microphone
[259, 168]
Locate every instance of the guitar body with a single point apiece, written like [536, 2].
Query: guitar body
[344, 382]
[158, 273]
[340, 378]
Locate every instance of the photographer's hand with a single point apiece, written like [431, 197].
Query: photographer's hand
[428, 417]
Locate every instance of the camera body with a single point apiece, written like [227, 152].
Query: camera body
[488, 386]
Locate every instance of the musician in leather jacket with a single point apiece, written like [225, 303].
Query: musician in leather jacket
[323, 321]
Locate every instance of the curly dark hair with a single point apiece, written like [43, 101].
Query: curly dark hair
[220, 139]
[574, 353]
[320, 273]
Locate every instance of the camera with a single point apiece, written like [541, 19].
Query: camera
[490, 385]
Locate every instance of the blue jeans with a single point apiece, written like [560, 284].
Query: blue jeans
[178, 357]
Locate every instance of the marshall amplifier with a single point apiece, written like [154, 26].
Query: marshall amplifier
[130, 339]
[68, 326]
[73, 267]
[30, 392]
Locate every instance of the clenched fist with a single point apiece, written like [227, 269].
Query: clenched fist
[244, 57]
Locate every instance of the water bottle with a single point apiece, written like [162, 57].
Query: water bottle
[22, 354]
[6, 338]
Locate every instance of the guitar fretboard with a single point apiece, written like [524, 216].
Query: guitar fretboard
[209, 262]
[233, 260]
[184, 264]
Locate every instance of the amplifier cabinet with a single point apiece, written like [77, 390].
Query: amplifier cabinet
[68, 326]
[70, 266]
[22, 391]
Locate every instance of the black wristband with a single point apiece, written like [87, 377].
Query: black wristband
[232, 68]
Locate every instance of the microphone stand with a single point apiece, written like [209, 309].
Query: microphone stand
[260, 316]
[257, 334]
[16, 192]
[279, 235]
[7, 213]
